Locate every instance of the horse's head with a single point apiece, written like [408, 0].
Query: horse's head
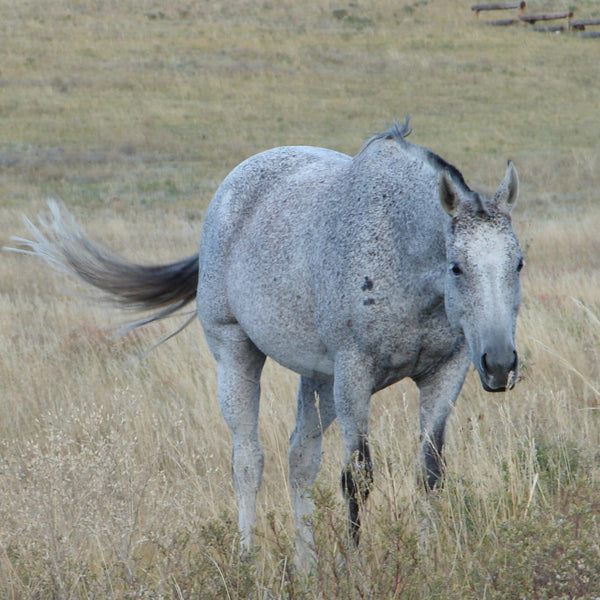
[482, 289]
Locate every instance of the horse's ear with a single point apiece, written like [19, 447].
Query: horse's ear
[448, 194]
[506, 195]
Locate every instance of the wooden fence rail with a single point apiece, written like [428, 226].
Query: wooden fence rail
[477, 8]
[583, 23]
[546, 17]
[572, 25]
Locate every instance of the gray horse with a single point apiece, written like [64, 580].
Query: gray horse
[354, 273]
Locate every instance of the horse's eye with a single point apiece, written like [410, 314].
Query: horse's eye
[520, 265]
[456, 270]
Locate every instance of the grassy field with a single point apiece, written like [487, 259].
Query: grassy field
[114, 472]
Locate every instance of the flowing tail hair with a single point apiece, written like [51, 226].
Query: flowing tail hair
[157, 290]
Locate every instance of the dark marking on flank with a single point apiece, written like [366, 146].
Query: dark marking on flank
[367, 285]
[369, 301]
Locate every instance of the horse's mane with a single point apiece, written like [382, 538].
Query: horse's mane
[399, 132]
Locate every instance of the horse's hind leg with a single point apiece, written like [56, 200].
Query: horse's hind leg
[239, 365]
[314, 415]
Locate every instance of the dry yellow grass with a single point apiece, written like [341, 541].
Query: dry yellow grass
[114, 472]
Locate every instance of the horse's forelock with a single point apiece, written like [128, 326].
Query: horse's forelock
[477, 211]
[480, 206]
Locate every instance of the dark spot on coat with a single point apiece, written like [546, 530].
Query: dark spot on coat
[367, 285]
[369, 301]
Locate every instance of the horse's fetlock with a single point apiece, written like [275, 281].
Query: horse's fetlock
[357, 476]
[433, 480]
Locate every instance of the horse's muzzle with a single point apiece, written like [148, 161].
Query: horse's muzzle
[498, 370]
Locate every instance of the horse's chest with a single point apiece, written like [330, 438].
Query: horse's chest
[403, 338]
[410, 356]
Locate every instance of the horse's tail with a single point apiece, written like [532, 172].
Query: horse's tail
[157, 290]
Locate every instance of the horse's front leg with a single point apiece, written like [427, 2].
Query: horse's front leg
[353, 386]
[438, 392]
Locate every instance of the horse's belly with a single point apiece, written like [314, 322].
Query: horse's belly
[302, 361]
[279, 319]
[293, 345]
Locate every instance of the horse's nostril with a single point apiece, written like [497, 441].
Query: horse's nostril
[499, 365]
[484, 363]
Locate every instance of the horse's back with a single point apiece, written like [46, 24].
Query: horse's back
[258, 180]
